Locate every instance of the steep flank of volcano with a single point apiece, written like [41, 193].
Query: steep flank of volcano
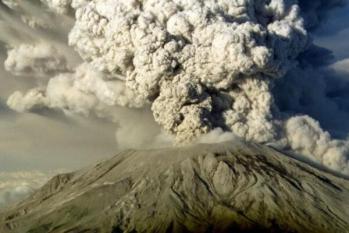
[229, 187]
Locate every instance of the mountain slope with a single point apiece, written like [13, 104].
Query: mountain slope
[227, 187]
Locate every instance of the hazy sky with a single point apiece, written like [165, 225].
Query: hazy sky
[31, 141]
[33, 147]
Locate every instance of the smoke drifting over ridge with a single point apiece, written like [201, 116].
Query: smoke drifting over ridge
[17, 185]
[198, 65]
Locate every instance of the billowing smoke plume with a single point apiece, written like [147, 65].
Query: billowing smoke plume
[37, 60]
[201, 66]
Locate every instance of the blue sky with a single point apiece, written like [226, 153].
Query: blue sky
[334, 33]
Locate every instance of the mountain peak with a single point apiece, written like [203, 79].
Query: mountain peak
[226, 187]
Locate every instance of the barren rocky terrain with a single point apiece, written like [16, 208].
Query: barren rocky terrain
[227, 187]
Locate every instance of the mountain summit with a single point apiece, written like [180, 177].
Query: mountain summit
[226, 187]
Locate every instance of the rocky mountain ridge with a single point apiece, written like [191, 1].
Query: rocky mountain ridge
[225, 187]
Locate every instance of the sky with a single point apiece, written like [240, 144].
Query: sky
[49, 141]
[333, 34]
[33, 146]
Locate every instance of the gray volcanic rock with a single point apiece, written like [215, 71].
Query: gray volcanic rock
[228, 187]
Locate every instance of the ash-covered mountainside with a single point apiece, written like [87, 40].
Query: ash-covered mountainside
[229, 187]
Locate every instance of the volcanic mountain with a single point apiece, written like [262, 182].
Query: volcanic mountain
[225, 187]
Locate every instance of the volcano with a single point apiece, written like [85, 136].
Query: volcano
[226, 187]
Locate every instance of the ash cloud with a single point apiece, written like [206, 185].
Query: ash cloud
[37, 60]
[201, 65]
[204, 69]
